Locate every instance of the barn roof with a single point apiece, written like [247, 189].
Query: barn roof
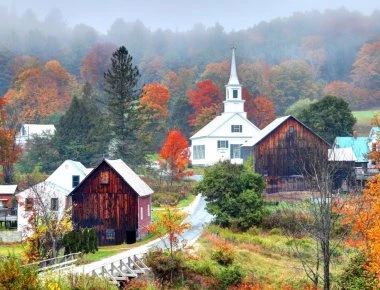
[130, 177]
[271, 127]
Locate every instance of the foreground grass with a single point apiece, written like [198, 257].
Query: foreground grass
[15, 249]
[266, 256]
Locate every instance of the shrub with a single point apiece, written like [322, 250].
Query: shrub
[223, 254]
[275, 231]
[356, 277]
[254, 231]
[14, 276]
[228, 277]
[164, 268]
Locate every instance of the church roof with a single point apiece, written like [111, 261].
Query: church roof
[233, 75]
[216, 123]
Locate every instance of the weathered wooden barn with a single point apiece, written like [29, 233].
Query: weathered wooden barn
[282, 150]
[114, 200]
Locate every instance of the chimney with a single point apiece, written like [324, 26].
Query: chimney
[355, 134]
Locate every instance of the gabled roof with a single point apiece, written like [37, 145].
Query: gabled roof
[218, 122]
[359, 145]
[341, 154]
[271, 127]
[8, 189]
[46, 186]
[130, 177]
[127, 174]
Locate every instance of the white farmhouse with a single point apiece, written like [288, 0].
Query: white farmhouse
[222, 138]
[29, 131]
[51, 193]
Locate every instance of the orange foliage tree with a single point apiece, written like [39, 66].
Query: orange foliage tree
[362, 214]
[39, 92]
[217, 72]
[175, 154]
[205, 96]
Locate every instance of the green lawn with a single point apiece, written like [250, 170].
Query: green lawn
[363, 123]
[15, 249]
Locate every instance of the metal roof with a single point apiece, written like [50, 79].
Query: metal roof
[359, 145]
[130, 177]
[341, 154]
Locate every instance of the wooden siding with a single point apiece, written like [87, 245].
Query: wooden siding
[279, 156]
[108, 206]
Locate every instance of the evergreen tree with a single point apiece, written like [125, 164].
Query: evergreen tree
[122, 103]
[81, 133]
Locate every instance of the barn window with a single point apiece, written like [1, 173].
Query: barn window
[54, 204]
[141, 212]
[29, 202]
[148, 209]
[110, 234]
[236, 128]
[222, 144]
[104, 177]
[198, 152]
[75, 180]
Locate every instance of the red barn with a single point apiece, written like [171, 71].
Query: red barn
[281, 150]
[114, 200]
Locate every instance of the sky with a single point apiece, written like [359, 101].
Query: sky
[181, 15]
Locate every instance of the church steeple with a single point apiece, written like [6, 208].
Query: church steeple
[234, 102]
[233, 75]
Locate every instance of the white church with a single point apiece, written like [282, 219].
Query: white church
[222, 138]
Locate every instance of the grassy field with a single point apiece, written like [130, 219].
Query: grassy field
[363, 123]
[266, 256]
[16, 248]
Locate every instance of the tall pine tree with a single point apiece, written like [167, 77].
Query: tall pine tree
[122, 103]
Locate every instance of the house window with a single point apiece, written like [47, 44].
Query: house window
[235, 151]
[236, 128]
[54, 204]
[75, 180]
[222, 144]
[104, 177]
[148, 209]
[198, 152]
[110, 234]
[235, 94]
[141, 213]
[29, 203]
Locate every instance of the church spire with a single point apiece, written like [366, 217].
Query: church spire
[233, 75]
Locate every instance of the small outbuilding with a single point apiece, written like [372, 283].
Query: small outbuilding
[6, 194]
[115, 201]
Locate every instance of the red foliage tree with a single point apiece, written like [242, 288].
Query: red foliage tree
[260, 110]
[205, 96]
[175, 154]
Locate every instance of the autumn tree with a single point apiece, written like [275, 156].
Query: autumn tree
[122, 105]
[218, 73]
[260, 110]
[204, 98]
[292, 80]
[175, 154]
[314, 53]
[154, 108]
[329, 117]
[39, 92]
[256, 77]
[95, 63]
[366, 68]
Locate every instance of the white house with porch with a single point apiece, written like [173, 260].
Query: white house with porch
[222, 138]
[50, 194]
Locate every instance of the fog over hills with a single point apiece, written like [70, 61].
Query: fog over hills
[178, 14]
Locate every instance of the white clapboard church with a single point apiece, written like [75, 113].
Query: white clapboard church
[222, 138]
